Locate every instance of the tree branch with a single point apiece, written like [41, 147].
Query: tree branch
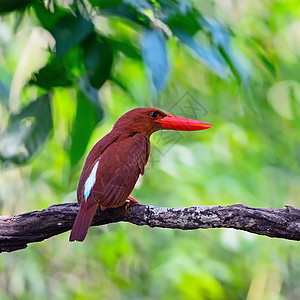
[18, 231]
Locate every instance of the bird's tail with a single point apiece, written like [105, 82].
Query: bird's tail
[83, 220]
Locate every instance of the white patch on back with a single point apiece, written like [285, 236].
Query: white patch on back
[90, 181]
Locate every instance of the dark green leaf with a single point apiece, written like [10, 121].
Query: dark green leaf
[98, 59]
[9, 5]
[155, 57]
[127, 12]
[48, 18]
[87, 117]
[137, 4]
[126, 48]
[27, 131]
[69, 32]
[105, 3]
[187, 22]
[53, 74]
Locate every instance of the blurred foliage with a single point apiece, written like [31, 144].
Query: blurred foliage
[234, 64]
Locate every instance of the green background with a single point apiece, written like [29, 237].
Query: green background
[69, 70]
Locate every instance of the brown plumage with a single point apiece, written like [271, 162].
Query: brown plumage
[117, 160]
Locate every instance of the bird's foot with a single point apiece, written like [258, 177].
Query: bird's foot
[131, 200]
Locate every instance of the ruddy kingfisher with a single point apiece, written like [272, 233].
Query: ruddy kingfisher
[118, 159]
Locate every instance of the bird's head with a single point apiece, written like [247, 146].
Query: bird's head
[147, 120]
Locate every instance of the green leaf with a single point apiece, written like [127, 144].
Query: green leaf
[69, 32]
[105, 3]
[27, 131]
[53, 74]
[186, 20]
[217, 54]
[87, 117]
[208, 56]
[127, 12]
[98, 60]
[221, 39]
[9, 5]
[126, 48]
[155, 57]
[47, 17]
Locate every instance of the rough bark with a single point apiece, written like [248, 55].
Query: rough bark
[18, 231]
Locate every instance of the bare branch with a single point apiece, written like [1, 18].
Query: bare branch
[18, 231]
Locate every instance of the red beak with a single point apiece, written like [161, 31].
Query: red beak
[179, 123]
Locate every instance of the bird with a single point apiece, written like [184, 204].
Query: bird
[116, 161]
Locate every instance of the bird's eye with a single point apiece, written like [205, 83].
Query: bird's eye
[154, 115]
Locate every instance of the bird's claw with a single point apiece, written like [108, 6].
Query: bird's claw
[131, 200]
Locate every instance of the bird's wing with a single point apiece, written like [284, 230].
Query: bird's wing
[90, 162]
[119, 168]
